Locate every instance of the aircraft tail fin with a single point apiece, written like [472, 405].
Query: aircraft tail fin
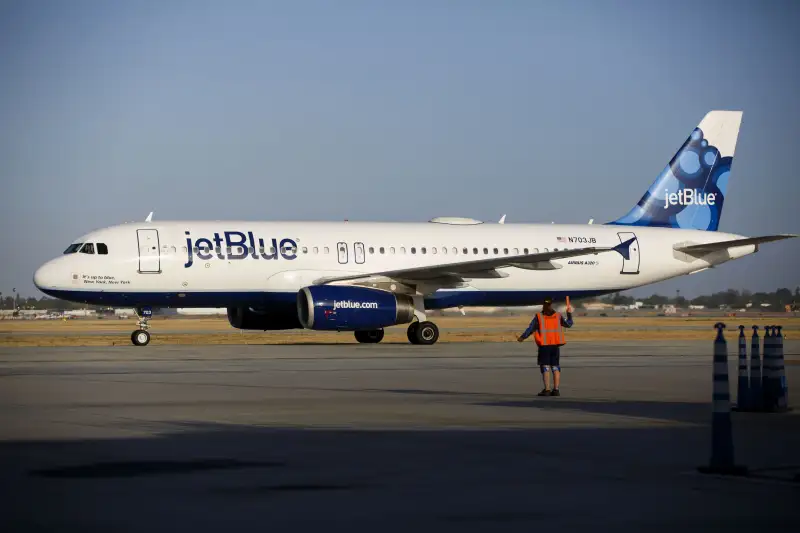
[690, 191]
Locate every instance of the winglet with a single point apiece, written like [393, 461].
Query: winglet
[624, 248]
[149, 217]
[502, 220]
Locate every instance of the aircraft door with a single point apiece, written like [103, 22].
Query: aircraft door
[149, 255]
[631, 264]
[359, 252]
[342, 251]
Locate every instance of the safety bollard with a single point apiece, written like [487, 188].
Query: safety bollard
[781, 387]
[755, 394]
[742, 399]
[767, 379]
[721, 430]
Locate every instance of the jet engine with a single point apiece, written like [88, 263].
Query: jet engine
[348, 308]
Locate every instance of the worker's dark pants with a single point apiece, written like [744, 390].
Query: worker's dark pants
[549, 356]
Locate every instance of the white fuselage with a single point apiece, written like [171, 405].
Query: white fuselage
[198, 264]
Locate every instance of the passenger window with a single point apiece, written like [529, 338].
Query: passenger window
[171, 248]
[382, 250]
[87, 248]
[505, 251]
[444, 250]
[316, 250]
[423, 250]
[186, 250]
[455, 250]
[327, 250]
[305, 250]
[102, 249]
[391, 250]
[475, 251]
[485, 251]
[546, 250]
[495, 251]
[516, 251]
[402, 249]
[371, 250]
[413, 250]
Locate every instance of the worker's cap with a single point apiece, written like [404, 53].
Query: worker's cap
[548, 300]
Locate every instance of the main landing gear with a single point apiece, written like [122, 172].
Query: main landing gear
[425, 333]
[141, 337]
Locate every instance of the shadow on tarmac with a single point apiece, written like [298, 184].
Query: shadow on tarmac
[217, 477]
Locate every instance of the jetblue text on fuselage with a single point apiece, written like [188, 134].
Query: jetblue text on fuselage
[236, 245]
[688, 197]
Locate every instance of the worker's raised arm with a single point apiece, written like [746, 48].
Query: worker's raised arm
[568, 322]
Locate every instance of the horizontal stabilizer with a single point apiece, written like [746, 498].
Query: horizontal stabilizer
[710, 247]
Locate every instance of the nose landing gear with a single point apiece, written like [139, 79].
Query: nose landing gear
[141, 337]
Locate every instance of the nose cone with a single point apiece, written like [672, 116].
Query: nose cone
[47, 276]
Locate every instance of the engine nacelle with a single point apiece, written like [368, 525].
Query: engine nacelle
[347, 308]
[272, 318]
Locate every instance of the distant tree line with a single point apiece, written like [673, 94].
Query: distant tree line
[730, 298]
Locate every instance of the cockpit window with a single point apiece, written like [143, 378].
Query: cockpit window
[72, 248]
[102, 249]
[88, 248]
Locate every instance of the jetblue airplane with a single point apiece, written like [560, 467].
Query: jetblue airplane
[365, 276]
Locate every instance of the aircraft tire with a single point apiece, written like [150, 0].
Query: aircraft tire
[140, 337]
[426, 333]
[411, 332]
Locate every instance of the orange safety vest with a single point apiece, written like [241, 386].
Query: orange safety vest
[550, 332]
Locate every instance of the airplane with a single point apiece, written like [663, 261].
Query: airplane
[365, 276]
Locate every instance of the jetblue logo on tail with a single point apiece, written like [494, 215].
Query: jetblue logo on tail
[688, 197]
[238, 245]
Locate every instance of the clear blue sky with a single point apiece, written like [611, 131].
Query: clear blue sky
[547, 111]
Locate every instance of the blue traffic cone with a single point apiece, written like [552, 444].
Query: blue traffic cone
[755, 394]
[742, 399]
[781, 388]
[767, 380]
[721, 430]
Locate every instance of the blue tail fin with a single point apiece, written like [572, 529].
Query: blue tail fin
[690, 191]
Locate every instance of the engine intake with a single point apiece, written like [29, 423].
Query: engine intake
[347, 308]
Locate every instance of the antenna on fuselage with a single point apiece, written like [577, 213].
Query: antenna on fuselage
[149, 217]
[502, 220]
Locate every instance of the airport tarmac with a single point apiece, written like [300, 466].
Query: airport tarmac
[390, 437]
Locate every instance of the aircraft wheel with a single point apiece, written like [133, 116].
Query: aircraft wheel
[372, 336]
[140, 337]
[412, 332]
[427, 333]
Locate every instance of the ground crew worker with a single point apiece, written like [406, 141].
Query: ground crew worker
[548, 332]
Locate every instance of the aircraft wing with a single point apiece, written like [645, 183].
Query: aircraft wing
[481, 268]
[700, 249]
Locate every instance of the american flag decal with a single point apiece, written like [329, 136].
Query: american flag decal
[561, 239]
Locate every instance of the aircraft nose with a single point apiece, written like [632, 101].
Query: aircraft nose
[45, 276]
